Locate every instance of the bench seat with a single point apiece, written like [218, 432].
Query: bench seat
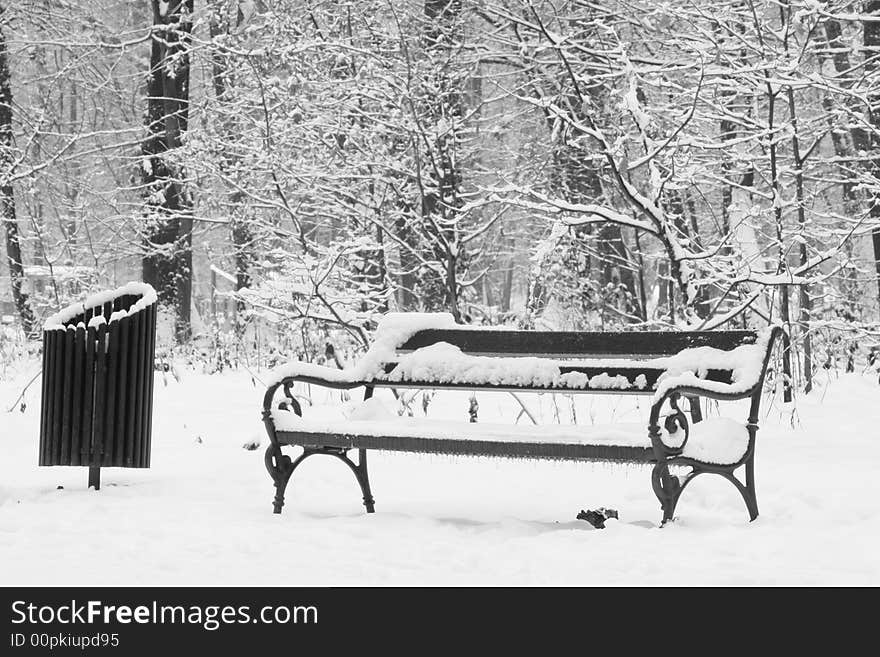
[717, 441]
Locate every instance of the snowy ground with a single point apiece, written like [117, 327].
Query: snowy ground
[202, 513]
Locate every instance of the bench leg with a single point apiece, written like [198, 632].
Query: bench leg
[360, 472]
[747, 490]
[369, 502]
[752, 498]
[669, 488]
[281, 468]
[748, 495]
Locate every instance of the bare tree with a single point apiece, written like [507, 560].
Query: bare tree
[167, 261]
[7, 196]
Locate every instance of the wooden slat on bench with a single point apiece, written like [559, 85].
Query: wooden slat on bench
[568, 343]
[547, 451]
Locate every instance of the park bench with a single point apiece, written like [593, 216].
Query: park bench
[430, 351]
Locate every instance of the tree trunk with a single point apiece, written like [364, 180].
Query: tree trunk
[167, 262]
[845, 151]
[242, 236]
[805, 301]
[441, 201]
[7, 197]
[73, 174]
[617, 270]
[872, 52]
[643, 293]
[682, 209]
[507, 286]
[409, 264]
[782, 265]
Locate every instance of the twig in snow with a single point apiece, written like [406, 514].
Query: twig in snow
[524, 409]
[23, 391]
[254, 378]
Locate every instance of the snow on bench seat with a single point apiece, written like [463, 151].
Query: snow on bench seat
[717, 440]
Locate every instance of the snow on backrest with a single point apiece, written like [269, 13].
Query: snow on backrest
[424, 348]
[432, 347]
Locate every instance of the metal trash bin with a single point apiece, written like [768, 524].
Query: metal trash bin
[97, 397]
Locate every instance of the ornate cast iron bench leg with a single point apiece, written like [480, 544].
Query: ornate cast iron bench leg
[360, 472]
[281, 468]
[752, 499]
[364, 481]
[669, 488]
[747, 490]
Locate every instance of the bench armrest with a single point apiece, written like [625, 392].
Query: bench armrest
[688, 383]
[318, 374]
[296, 371]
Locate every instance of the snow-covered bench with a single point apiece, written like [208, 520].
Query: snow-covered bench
[430, 351]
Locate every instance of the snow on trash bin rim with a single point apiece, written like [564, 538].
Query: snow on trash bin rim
[148, 296]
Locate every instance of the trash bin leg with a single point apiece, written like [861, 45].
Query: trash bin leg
[95, 477]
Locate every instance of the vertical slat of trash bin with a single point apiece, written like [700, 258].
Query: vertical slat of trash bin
[131, 387]
[88, 397]
[150, 341]
[112, 361]
[100, 396]
[138, 351]
[149, 323]
[66, 419]
[143, 440]
[143, 387]
[43, 396]
[79, 346]
[46, 410]
[50, 390]
[120, 438]
[143, 355]
[114, 352]
[151, 356]
[58, 405]
[44, 400]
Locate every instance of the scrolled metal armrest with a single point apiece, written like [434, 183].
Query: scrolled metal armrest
[288, 392]
[290, 403]
[672, 423]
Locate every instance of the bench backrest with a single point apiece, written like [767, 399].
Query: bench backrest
[572, 344]
[637, 347]
[582, 362]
